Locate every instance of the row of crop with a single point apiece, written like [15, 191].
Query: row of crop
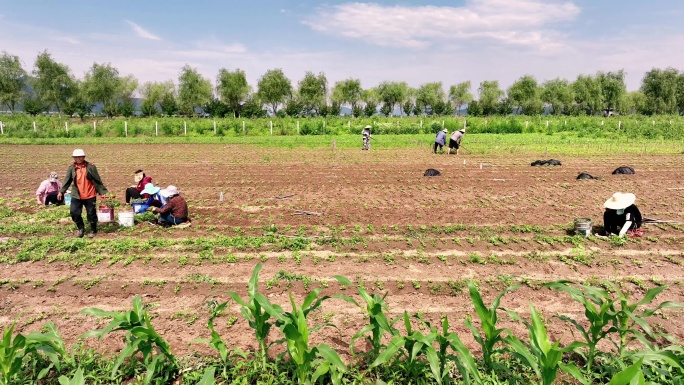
[397, 354]
[667, 127]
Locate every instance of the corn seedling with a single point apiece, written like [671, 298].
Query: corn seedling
[140, 338]
[490, 335]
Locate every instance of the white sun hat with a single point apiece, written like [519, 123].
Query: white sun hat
[78, 152]
[169, 191]
[620, 201]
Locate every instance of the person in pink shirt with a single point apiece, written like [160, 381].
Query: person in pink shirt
[48, 190]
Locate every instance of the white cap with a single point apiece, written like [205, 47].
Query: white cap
[169, 191]
[78, 152]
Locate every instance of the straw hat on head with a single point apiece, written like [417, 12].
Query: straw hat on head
[620, 201]
[368, 127]
[445, 130]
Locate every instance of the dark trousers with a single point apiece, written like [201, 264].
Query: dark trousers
[76, 209]
[435, 148]
[132, 193]
[170, 219]
[51, 199]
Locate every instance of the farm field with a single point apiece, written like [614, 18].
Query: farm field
[309, 214]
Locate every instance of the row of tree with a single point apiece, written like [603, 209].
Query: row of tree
[52, 86]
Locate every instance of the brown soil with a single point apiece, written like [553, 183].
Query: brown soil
[382, 200]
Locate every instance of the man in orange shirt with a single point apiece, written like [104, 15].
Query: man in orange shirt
[87, 184]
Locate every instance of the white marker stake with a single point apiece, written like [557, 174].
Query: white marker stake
[34, 127]
[2, 129]
[619, 124]
[442, 124]
[66, 127]
[547, 124]
[271, 123]
[348, 123]
[464, 162]
[421, 124]
[298, 127]
[126, 128]
[464, 124]
[214, 127]
[156, 129]
[480, 166]
[94, 126]
[185, 128]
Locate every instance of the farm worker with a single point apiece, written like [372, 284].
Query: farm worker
[48, 190]
[175, 211]
[87, 185]
[455, 140]
[440, 140]
[154, 198]
[366, 137]
[135, 191]
[620, 209]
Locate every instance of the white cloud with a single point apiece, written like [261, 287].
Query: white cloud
[517, 22]
[141, 32]
[67, 39]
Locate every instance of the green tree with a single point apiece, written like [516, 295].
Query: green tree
[101, 85]
[32, 105]
[474, 108]
[348, 91]
[370, 99]
[194, 91]
[490, 96]
[124, 94]
[293, 106]
[12, 80]
[392, 94]
[233, 89]
[253, 107]
[217, 108]
[53, 81]
[524, 95]
[459, 95]
[152, 94]
[558, 94]
[313, 92]
[588, 95]
[613, 88]
[430, 95]
[273, 88]
[659, 88]
[168, 104]
[78, 103]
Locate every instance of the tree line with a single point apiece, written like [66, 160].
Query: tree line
[51, 86]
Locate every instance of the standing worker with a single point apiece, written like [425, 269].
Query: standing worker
[87, 184]
[440, 140]
[366, 137]
[455, 140]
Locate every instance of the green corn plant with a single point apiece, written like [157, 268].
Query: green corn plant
[410, 348]
[77, 379]
[254, 313]
[294, 327]
[599, 311]
[374, 307]
[216, 341]
[632, 375]
[490, 335]
[465, 361]
[541, 356]
[208, 377]
[140, 338]
[628, 315]
[13, 351]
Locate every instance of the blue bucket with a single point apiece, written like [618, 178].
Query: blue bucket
[67, 200]
[137, 208]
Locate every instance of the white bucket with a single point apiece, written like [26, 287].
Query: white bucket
[126, 219]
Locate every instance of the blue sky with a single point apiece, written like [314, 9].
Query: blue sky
[413, 41]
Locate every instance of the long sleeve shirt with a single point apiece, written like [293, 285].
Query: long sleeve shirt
[441, 138]
[613, 222]
[176, 205]
[46, 188]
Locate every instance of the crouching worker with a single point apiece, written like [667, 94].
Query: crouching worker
[48, 190]
[175, 211]
[154, 197]
[621, 213]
